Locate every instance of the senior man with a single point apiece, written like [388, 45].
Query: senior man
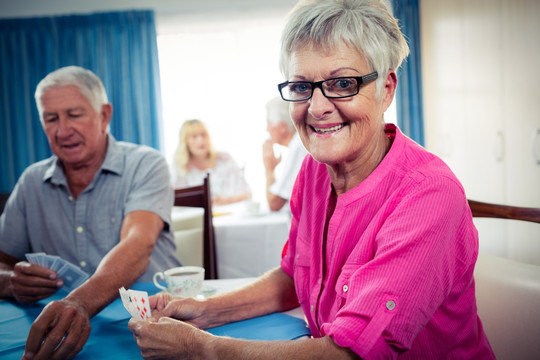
[281, 129]
[98, 203]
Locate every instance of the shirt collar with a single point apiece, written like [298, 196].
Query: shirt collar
[113, 163]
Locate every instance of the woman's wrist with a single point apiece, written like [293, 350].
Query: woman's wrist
[208, 345]
[210, 314]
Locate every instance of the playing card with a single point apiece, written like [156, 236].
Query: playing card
[140, 300]
[126, 301]
[48, 260]
[136, 303]
[57, 264]
[35, 258]
[72, 275]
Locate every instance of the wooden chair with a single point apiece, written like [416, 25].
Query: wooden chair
[508, 292]
[200, 196]
[482, 209]
[3, 200]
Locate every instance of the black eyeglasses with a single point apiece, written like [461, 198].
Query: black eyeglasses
[336, 88]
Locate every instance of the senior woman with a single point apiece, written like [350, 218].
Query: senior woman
[382, 245]
[195, 157]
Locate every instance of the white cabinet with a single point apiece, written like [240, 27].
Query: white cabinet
[482, 108]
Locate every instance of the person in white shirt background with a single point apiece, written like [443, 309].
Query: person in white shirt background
[281, 175]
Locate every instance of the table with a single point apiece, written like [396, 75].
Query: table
[248, 244]
[226, 285]
[111, 339]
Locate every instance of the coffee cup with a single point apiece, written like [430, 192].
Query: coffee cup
[185, 281]
[253, 207]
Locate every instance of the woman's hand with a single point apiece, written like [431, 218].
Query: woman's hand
[168, 339]
[188, 310]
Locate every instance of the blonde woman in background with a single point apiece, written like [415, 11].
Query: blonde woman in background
[195, 157]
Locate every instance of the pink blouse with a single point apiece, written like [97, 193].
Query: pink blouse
[395, 276]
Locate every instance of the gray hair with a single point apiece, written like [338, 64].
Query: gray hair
[277, 110]
[366, 25]
[88, 83]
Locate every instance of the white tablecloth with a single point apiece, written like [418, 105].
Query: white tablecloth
[247, 244]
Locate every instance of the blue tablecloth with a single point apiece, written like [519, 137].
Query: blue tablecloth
[111, 339]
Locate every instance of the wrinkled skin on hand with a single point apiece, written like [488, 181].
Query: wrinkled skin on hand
[30, 283]
[186, 309]
[59, 332]
[167, 339]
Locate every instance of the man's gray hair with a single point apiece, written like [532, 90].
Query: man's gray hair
[88, 83]
[366, 25]
[277, 110]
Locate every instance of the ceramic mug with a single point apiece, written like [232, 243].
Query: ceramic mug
[185, 281]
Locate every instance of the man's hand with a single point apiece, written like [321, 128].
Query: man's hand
[269, 158]
[30, 283]
[59, 332]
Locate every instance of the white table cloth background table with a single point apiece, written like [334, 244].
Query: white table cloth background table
[247, 244]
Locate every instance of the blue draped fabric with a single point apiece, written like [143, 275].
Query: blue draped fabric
[409, 103]
[120, 47]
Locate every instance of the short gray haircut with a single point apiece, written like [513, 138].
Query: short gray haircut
[277, 110]
[88, 83]
[366, 25]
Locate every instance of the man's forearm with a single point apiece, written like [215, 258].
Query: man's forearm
[117, 269]
[123, 265]
[6, 270]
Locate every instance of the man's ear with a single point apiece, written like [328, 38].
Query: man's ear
[106, 114]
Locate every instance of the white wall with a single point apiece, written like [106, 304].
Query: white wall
[480, 70]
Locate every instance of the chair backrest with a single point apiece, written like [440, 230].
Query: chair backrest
[508, 292]
[200, 196]
[482, 209]
[3, 200]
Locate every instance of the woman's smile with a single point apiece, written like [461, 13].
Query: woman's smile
[326, 129]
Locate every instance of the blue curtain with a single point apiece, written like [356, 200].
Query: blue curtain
[120, 47]
[409, 103]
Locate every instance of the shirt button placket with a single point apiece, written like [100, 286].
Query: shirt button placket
[80, 235]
